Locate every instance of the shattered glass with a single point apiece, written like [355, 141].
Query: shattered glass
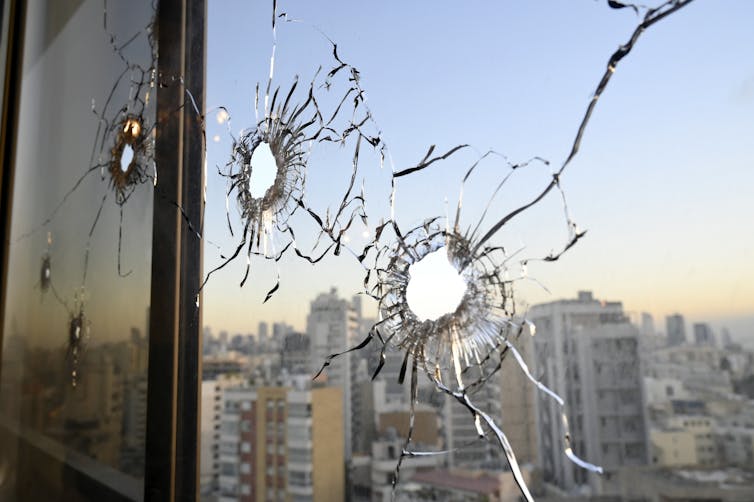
[292, 122]
[312, 125]
[464, 345]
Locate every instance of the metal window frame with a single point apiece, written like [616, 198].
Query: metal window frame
[174, 381]
[174, 374]
[9, 116]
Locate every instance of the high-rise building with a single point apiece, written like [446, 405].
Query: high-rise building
[647, 324]
[92, 414]
[703, 334]
[725, 338]
[294, 354]
[279, 330]
[316, 465]
[465, 450]
[518, 398]
[282, 444]
[676, 329]
[134, 428]
[332, 327]
[588, 353]
[263, 333]
[211, 415]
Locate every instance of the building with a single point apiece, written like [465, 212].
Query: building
[673, 448]
[676, 329]
[225, 364]
[316, 465]
[282, 444]
[461, 434]
[444, 484]
[294, 354]
[263, 334]
[134, 357]
[385, 453]
[588, 353]
[519, 403]
[333, 326]
[686, 441]
[91, 418]
[703, 335]
[213, 392]
[658, 484]
[647, 324]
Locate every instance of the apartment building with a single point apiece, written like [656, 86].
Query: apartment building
[588, 353]
[281, 444]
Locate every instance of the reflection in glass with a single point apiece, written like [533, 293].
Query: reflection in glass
[74, 369]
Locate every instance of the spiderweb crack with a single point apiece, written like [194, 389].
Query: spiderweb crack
[292, 122]
[461, 350]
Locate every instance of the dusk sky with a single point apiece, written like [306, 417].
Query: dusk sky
[663, 183]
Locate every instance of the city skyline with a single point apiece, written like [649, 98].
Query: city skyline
[741, 329]
[651, 412]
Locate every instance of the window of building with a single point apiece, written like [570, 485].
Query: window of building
[102, 258]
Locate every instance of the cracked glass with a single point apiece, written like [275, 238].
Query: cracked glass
[75, 345]
[486, 224]
[397, 199]
[470, 214]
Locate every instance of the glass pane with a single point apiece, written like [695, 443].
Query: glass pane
[74, 357]
[502, 91]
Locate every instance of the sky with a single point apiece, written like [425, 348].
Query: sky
[662, 184]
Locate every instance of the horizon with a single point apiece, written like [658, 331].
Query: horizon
[741, 328]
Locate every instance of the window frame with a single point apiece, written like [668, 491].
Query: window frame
[174, 370]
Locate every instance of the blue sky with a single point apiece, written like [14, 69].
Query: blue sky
[663, 182]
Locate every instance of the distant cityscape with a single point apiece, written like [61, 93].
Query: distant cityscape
[667, 411]
[668, 414]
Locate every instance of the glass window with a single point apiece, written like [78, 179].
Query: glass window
[73, 387]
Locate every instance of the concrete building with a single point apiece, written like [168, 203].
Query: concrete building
[519, 403]
[673, 448]
[698, 367]
[316, 465]
[653, 484]
[726, 338]
[676, 329]
[263, 334]
[703, 335]
[363, 416]
[704, 439]
[385, 453]
[685, 441]
[647, 324]
[294, 354]
[224, 364]
[391, 393]
[452, 485]
[91, 418]
[281, 444]
[332, 326]
[213, 404]
[736, 446]
[661, 392]
[588, 353]
[133, 366]
[461, 435]
[279, 331]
